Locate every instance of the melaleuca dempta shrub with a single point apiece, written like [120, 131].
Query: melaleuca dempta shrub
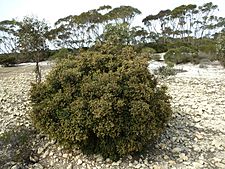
[101, 103]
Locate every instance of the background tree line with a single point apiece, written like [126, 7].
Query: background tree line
[186, 25]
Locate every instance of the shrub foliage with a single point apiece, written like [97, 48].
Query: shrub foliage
[6, 60]
[221, 49]
[101, 103]
[17, 145]
[182, 55]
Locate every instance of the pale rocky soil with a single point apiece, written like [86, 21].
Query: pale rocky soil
[195, 138]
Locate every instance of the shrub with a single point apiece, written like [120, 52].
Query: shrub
[181, 55]
[178, 43]
[7, 60]
[61, 54]
[165, 71]
[221, 48]
[159, 47]
[156, 57]
[17, 145]
[147, 52]
[101, 103]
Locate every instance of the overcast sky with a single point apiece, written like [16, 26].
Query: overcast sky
[52, 10]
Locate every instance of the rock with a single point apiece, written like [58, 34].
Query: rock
[183, 157]
[162, 146]
[135, 162]
[99, 159]
[129, 157]
[45, 154]
[171, 162]
[195, 106]
[138, 166]
[40, 150]
[212, 149]
[70, 166]
[197, 165]
[51, 153]
[65, 155]
[196, 148]
[216, 159]
[176, 150]
[108, 160]
[156, 167]
[197, 119]
[199, 136]
[220, 165]
[79, 162]
[37, 166]
[52, 163]
[165, 157]
[17, 166]
[34, 159]
[223, 161]
[116, 163]
[217, 143]
[146, 161]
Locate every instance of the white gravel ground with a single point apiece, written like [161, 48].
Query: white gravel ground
[195, 138]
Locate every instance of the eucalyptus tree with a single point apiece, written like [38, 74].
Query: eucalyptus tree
[66, 33]
[164, 17]
[123, 14]
[77, 31]
[175, 23]
[85, 29]
[207, 18]
[8, 36]
[191, 17]
[32, 40]
[158, 23]
[220, 25]
[185, 21]
[151, 22]
[140, 35]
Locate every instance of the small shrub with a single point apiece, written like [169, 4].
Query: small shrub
[170, 64]
[101, 103]
[147, 52]
[16, 145]
[158, 47]
[61, 54]
[165, 71]
[181, 55]
[7, 60]
[156, 57]
[203, 66]
[221, 48]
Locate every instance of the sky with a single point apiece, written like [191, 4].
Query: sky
[52, 10]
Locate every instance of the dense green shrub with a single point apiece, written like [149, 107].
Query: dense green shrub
[101, 103]
[159, 47]
[221, 48]
[181, 55]
[156, 57]
[147, 52]
[165, 71]
[7, 60]
[177, 43]
[61, 54]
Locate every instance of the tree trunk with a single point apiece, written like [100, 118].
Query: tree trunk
[38, 70]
